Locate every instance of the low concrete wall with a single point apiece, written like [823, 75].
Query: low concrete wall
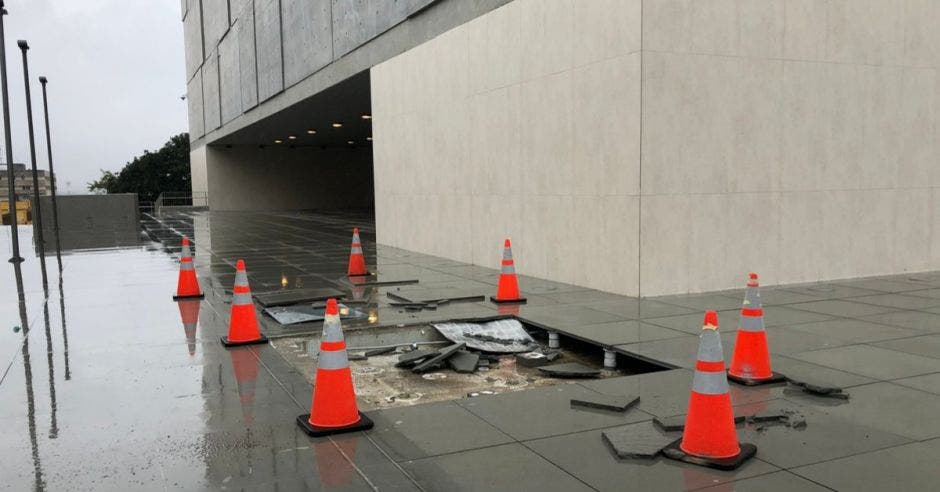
[270, 178]
[92, 221]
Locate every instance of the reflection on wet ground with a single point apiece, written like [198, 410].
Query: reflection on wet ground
[109, 385]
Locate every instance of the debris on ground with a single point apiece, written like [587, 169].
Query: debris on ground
[640, 440]
[604, 402]
[414, 357]
[766, 417]
[463, 361]
[499, 336]
[435, 296]
[537, 357]
[380, 351]
[570, 370]
[820, 389]
[355, 356]
[437, 360]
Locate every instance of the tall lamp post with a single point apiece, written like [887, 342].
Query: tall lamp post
[8, 140]
[37, 209]
[55, 208]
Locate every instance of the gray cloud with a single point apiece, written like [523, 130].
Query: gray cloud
[116, 74]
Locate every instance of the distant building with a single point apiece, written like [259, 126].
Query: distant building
[23, 181]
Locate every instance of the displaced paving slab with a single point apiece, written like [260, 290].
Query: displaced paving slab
[414, 357]
[677, 422]
[605, 402]
[436, 360]
[436, 295]
[640, 440]
[286, 298]
[463, 361]
[570, 370]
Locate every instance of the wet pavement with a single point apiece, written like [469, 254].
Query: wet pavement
[107, 384]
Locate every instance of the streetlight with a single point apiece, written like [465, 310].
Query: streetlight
[8, 141]
[55, 209]
[37, 209]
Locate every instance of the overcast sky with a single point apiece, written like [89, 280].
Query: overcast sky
[116, 74]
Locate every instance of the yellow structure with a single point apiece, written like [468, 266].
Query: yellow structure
[24, 211]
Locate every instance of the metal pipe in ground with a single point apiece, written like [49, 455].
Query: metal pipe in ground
[37, 208]
[55, 208]
[553, 341]
[8, 141]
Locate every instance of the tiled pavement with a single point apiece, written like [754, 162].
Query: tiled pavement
[161, 408]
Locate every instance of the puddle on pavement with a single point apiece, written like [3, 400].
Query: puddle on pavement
[379, 384]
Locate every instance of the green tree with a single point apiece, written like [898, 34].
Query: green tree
[152, 173]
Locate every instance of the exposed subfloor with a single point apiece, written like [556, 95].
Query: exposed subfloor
[106, 389]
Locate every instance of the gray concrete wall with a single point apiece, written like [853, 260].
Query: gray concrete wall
[250, 178]
[289, 50]
[792, 138]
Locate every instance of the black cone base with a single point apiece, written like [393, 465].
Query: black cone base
[365, 423]
[748, 451]
[521, 300]
[775, 377]
[202, 295]
[367, 274]
[259, 341]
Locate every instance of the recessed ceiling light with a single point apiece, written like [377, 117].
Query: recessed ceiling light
[292, 137]
[367, 116]
[337, 125]
[311, 132]
[278, 141]
[350, 142]
[369, 138]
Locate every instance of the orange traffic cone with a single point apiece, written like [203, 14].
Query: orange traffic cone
[334, 409]
[357, 262]
[709, 438]
[189, 313]
[243, 325]
[750, 363]
[508, 288]
[187, 287]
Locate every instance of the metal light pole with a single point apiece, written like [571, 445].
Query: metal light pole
[55, 208]
[8, 140]
[37, 209]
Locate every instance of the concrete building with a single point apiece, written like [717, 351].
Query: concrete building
[641, 147]
[23, 181]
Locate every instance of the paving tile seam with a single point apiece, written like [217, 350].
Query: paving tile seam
[556, 465]
[796, 469]
[750, 477]
[895, 381]
[413, 480]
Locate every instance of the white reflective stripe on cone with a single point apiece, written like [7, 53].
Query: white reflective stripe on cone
[356, 250]
[187, 265]
[332, 330]
[241, 278]
[710, 383]
[752, 298]
[507, 269]
[751, 323]
[709, 348]
[333, 359]
[507, 253]
[241, 298]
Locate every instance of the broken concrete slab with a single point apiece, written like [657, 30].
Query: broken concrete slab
[819, 389]
[379, 351]
[436, 360]
[640, 440]
[414, 357]
[463, 361]
[605, 402]
[355, 356]
[570, 370]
